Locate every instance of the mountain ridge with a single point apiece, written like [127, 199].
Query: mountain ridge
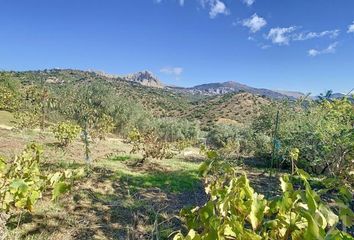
[238, 104]
[148, 79]
[218, 88]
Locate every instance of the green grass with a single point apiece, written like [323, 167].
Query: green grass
[6, 118]
[113, 192]
[176, 181]
[178, 163]
[169, 175]
[120, 158]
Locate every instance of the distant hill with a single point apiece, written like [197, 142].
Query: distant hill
[291, 94]
[228, 87]
[159, 101]
[147, 78]
[227, 103]
[233, 108]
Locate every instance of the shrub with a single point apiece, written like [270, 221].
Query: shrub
[22, 182]
[150, 145]
[26, 120]
[66, 132]
[236, 211]
[220, 135]
[230, 149]
[8, 99]
[172, 130]
[9, 92]
[322, 131]
[102, 127]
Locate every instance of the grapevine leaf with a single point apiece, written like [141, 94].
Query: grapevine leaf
[311, 202]
[35, 195]
[55, 178]
[18, 185]
[192, 235]
[331, 218]
[204, 168]
[285, 184]
[304, 175]
[59, 188]
[79, 173]
[257, 210]
[312, 231]
[228, 231]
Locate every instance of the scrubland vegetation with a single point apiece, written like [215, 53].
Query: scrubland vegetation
[84, 157]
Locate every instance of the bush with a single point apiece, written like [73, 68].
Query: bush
[66, 132]
[104, 126]
[8, 99]
[9, 92]
[236, 211]
[322, 131]
[22, 182]
[26, 120]
[230, 149]
[220, 135]
[150, 145]
[173, 130]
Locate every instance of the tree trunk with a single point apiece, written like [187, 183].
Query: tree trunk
[87, 145]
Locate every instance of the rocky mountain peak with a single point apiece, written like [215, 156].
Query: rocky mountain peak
[145, 78]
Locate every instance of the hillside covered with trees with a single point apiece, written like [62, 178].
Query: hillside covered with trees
[89, 156]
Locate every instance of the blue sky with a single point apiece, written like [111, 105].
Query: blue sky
[305, 45]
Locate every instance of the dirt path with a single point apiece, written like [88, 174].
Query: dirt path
[5, 127]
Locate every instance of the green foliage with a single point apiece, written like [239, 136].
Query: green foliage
[32, 107]
[158, 140]
[103, 126]
[22, 182]
[8, 99]
[236, 211]
[66, 132]
[9, 93]
[119, 158]
[149, 144]
[232, 141]
[294, 156]
[26, 120]
[172, 130]
[183, 144]
[91, 106]
[220, 135]
[128, 115]
[323, 132]
[172, 181]
[230, 149]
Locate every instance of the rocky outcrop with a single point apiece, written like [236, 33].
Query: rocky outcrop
[145, 78]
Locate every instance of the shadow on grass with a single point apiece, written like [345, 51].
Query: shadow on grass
[56, 145]
[60, 165]
[117, 205]
[139, 199]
